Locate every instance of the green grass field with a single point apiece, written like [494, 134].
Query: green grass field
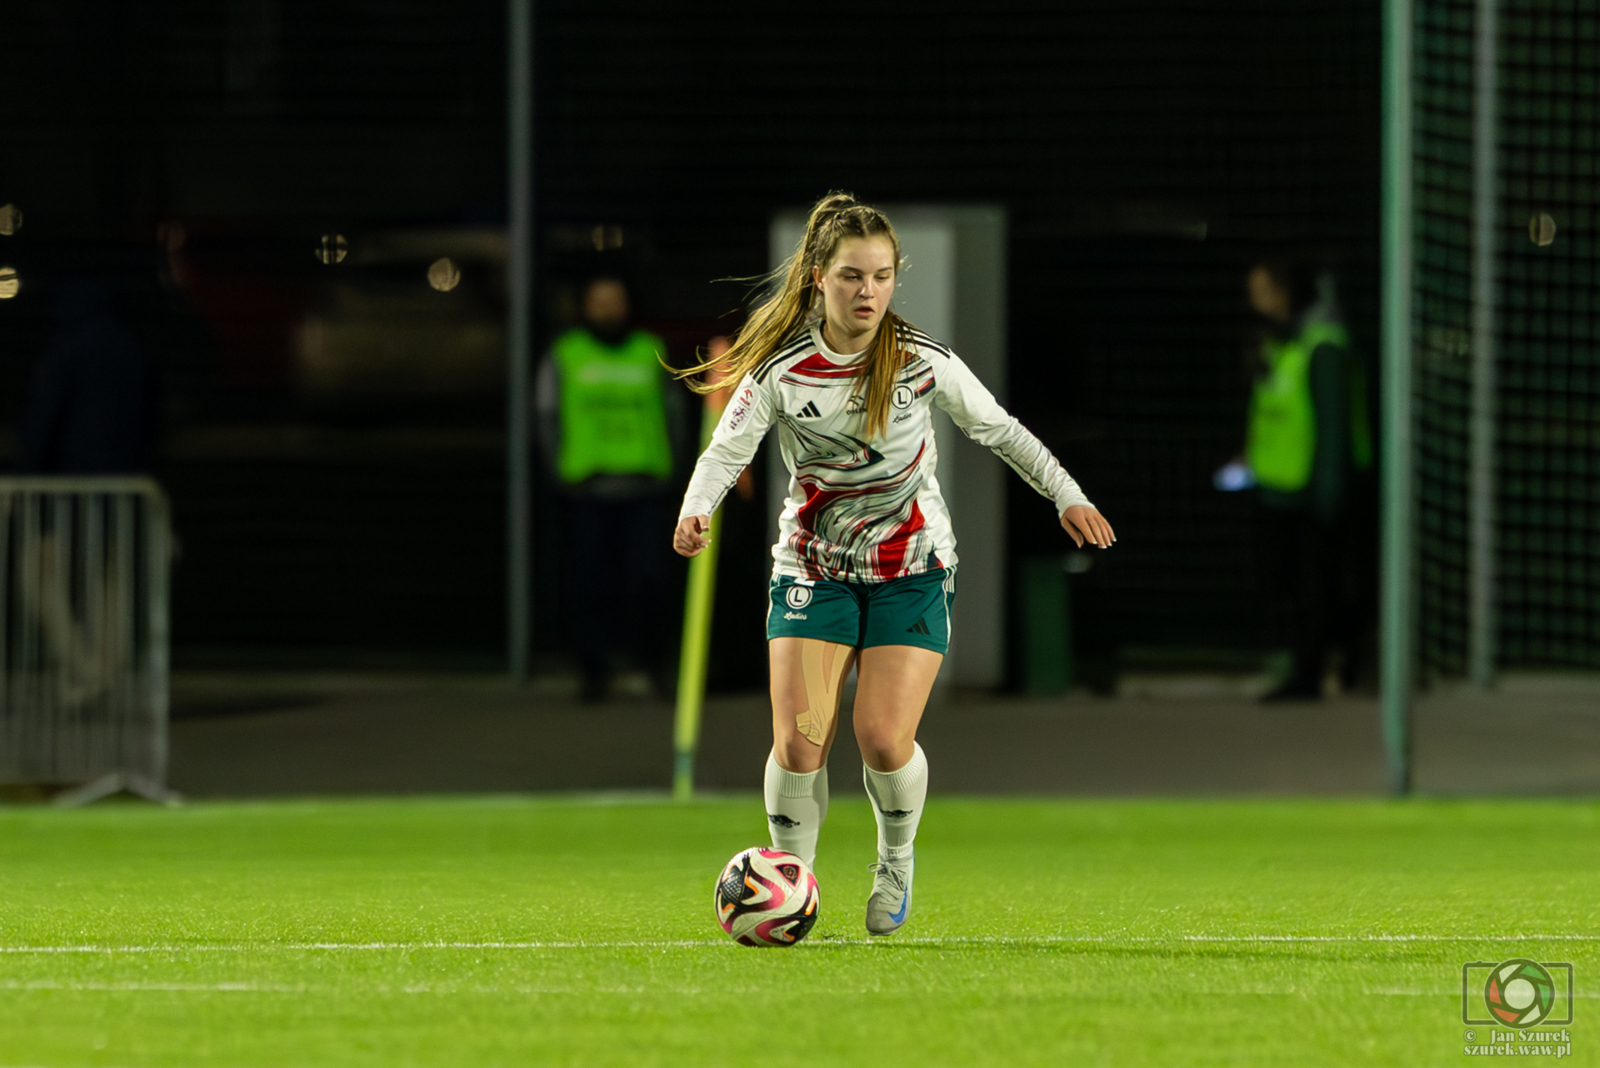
[577, 932]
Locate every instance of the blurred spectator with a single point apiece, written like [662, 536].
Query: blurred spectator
[92, 407]
[1308, 440]
[606, 418]
[91, 411]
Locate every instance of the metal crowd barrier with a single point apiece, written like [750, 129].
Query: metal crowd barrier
[83, 635]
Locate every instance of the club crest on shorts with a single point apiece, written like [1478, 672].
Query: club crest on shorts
[902, 397]
[797, 597]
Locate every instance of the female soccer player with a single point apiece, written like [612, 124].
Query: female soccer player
[865, 565]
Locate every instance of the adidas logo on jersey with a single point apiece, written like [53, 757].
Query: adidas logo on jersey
[810, 411]
[919, 627]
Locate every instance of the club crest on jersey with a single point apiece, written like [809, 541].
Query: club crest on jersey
[902, 397]
[797, 597]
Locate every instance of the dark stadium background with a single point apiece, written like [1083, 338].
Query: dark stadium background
[1110, 130]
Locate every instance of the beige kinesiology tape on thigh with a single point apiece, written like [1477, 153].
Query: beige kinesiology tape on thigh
[819, 663]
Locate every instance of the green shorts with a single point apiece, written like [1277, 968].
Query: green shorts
[914, 610]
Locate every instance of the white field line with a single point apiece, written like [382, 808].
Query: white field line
[1453, 992]
[954, 941]
[92, 987]
[209, 988]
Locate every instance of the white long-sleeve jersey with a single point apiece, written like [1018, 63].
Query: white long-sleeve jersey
[859, 510]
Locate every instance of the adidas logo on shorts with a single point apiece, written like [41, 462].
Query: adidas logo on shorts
[919, 627]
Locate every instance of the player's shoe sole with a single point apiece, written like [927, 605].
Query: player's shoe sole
[890, 901]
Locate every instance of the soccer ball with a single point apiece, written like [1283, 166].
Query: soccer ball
[766, 897]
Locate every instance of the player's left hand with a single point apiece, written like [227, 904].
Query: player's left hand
[1083, 524]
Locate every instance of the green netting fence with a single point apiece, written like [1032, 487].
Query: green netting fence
[1536, 545]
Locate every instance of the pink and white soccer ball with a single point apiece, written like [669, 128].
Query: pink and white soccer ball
[766, 897]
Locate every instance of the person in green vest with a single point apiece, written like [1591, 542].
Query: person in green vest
[1308, 449]
[607, 415]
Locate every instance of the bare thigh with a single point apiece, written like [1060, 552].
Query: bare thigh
[892, 687]
[807, 678]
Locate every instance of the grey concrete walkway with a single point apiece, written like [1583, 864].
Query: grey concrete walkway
[245, 735]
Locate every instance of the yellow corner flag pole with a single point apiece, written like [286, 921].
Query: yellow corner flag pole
[696, 634]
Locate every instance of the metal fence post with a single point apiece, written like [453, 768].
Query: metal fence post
[1485, 199]
[519, 336]
[1397, 622]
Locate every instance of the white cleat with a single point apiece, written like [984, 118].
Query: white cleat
[890, 901]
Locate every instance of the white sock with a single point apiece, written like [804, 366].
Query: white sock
[897, 799]
[797, 803]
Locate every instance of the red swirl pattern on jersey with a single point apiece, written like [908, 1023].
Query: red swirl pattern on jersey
[866, 531]
[817, 369]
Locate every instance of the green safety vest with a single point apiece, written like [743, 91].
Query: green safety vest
[613, 413]
[1283, 418]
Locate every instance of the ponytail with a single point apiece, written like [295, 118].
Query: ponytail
[790, 306]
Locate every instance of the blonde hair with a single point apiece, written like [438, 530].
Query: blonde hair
[792, 305]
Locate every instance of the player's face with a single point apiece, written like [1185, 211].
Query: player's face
[856, 287]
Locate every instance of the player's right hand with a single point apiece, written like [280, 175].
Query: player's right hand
[1084, 524]
[690, 538]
